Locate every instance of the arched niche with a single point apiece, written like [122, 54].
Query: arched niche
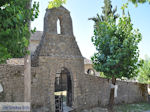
[91, 72]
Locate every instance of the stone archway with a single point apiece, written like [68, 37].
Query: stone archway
[63, 86]
[55, 52]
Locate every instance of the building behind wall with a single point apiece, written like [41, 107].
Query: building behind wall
[35, 40]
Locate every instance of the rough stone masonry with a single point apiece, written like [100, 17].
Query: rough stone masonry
[57, 53]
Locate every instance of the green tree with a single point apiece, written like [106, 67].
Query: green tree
[144, 74]
[117, 49]
[15, 17]
[139, 1]
[106, 12]
[14, 27]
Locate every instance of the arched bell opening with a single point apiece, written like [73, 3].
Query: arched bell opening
[59, 22]
[58, 26]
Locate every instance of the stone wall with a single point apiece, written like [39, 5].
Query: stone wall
[94, 91]
[97, 90]
[12, 81]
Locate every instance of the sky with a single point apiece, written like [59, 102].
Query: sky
[81, 10]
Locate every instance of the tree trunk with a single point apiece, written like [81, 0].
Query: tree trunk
[27, 69]
[111, 98]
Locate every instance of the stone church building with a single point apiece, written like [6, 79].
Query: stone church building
[58, 65]
[35, 41]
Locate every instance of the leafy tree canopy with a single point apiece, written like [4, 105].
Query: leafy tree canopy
[15, 17]
[117, 47]
[116, 43]
[56, 3]
[136, 2]
[139, 1]
[106, 12]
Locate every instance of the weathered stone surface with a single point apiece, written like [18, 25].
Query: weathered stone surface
[11, 79]
[97, 91]
[54, 53]
[91, 91]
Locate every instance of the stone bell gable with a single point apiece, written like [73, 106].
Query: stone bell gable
[57, 53]
[50, 21]
[57, 45]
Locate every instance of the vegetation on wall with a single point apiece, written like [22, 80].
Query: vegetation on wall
[117, 47]
[56, 3]
[15, 17]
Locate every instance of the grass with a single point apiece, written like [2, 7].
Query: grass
[140, 107]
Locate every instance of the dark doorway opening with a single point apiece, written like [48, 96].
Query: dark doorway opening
[63, 89]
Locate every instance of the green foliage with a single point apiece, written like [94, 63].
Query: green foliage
[136, 2]
[4, 55]
[15, 16]
[144, 74]
[139, 1]
[139, 107]
[56, 3]
[117, 47]
[107, 11]
[103, 75]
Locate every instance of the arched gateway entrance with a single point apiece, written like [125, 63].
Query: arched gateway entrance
[60, 64]
[63, 90]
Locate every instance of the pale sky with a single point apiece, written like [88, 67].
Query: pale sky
[81, 10]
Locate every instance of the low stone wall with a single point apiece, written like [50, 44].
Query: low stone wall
[94, 90]
[12, 81]
[97, 91]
